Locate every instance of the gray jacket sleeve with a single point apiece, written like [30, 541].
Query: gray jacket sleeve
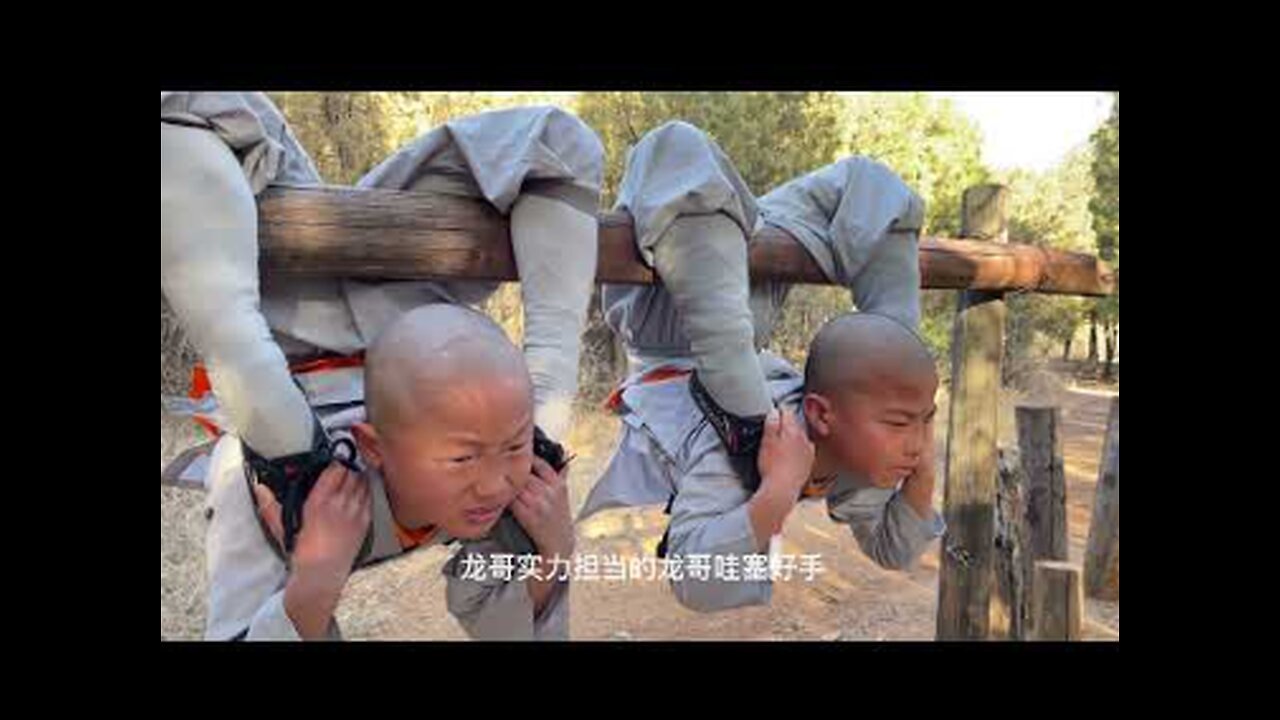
[885, 526]
[498, 608]
[709, 517]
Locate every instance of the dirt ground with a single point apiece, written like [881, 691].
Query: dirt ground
[852, 599]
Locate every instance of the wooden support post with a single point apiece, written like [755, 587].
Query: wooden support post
[1040, 447]
[1011, 601]
[1031, 518]
[1102, 554]
[1058, 601]
[964, 580]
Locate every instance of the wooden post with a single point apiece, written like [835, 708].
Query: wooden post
[964, 580]
[1058, 601]
[1011, 601]
[1031, 518]
[1040, 447]
[1102, 554]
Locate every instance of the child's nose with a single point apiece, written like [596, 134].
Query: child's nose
[492, 485]
[914, 445]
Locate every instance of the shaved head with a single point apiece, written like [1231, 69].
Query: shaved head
[864, 352]
[429, 351]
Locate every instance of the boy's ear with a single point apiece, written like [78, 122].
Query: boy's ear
[817, 413]
[369, 444]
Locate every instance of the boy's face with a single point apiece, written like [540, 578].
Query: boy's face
[881, 432]
[460, 461]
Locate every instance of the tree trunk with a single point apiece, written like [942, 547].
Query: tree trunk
[1093, 337]
[1109, 335]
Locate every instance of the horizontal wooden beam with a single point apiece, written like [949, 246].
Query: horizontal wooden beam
[370, 233]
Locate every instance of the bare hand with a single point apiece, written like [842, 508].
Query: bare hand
[542, 509]
[786, 454]
[335, 520]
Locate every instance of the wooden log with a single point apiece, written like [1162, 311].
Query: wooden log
[1013, 567]
[1058, 601]
[392, 234]
[1102, 553]
[965, 576]
[1040, 449]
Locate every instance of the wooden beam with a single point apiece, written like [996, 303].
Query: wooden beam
[371, 233]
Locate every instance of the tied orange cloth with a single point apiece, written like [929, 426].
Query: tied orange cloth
[818, 487]
[201, 386]
[658, 374]
[410, 539]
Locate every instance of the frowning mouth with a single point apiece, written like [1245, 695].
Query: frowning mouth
[483, 515]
